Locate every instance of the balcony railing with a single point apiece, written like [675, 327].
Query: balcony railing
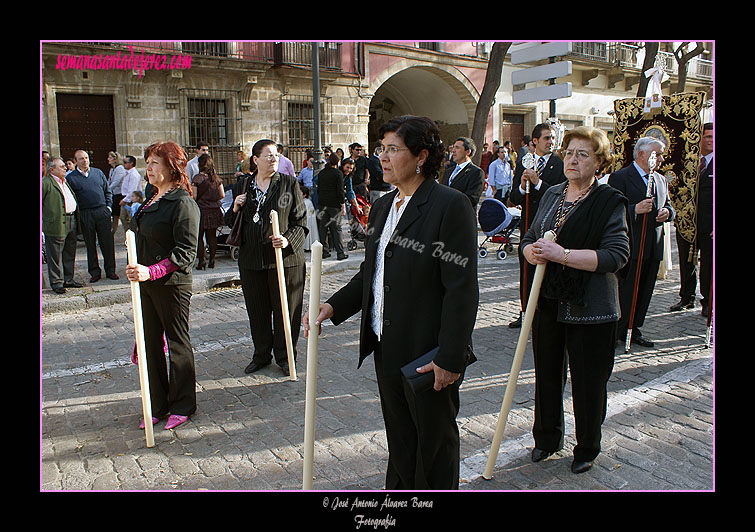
[300, 54]
[631, 56]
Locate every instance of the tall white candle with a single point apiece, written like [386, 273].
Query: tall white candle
[312, 349]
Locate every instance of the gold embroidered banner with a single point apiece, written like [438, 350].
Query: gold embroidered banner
[679, 125]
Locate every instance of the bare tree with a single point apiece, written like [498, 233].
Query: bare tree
[487, 96]
[651, 51]
[682, 59]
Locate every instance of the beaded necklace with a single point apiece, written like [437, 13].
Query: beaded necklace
[562, 213]
[154, 199]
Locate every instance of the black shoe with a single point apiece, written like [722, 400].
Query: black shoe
[641, 340]
[517, 323]
[326, 255]
[578, 467]
[95, 278]
[113, 276]
[285, 369]
[72, 284]
[342, 257]
[539, 454]
[683, 303]
[58, 289]
[255, 366]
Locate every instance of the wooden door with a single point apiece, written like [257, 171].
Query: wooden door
[87, 121]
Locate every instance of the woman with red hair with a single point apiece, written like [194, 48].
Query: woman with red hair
[167, 228]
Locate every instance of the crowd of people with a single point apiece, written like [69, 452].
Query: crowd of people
[416, 290]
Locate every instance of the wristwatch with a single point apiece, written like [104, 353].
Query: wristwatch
[566, 256]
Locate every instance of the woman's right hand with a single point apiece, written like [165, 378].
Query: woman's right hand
[239, 202]
[326, 311]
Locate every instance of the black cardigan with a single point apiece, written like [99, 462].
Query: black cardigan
[330, 189]
[283, 195]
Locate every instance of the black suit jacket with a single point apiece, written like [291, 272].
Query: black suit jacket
[629, 182]
[430, 280]
[470, 181]
[705, 203]
[553, 174]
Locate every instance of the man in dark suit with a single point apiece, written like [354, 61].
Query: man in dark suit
[704, 239]
[465, 176]
[548, 171]
[96, 214]
[632, 182]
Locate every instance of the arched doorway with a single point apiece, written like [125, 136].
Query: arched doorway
[441, 93]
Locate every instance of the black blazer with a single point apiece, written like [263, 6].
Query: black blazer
[430, 279]
[705, 203]
[553, 174]
[168, 229]
[629, 182]
[470, 181]
[283, 195]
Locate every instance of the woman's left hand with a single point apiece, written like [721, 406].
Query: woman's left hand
[442, 377]
[137, 273]
[544, 251]
[279, 242]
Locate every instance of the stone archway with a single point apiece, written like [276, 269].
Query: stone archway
[440, 92]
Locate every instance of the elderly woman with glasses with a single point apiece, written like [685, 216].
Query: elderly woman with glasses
[255, 196]
[417, 292]
[578, 305]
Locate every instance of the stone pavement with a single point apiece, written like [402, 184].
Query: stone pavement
[247, 433]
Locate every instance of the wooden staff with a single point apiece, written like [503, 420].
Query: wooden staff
[284, 296]
[635, 289]
[315, 276]
[136, 305]
[516, 365]
[709, 330]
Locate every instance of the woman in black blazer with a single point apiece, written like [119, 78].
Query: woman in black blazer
[331, 205]
[416, 290]
[166, 227]
[255, 196]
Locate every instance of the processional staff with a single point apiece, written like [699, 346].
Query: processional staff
[648, 194]
[284, 296]
[315, 278]
[136, 304]
[516, 365]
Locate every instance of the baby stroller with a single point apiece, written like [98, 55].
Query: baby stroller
[497, 222]
[358, 222]
[224, 231]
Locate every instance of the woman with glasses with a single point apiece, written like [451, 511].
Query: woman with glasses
[579, 299]
[416, 291]
[255, 196]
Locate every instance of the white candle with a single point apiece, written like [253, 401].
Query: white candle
[312, 349]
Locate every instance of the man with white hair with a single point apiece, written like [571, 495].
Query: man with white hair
[653, 209]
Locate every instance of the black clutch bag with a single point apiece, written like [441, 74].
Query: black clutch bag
[421, 382]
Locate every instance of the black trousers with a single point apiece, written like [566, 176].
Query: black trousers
[263, 304]
[646, 285]
[172, 382]
[422, 434]
[589, 352]
[329, 223]
[97, 224]
[688, 270]
[61, 254]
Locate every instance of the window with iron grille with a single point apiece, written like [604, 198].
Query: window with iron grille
[214, 117]
[298, 125]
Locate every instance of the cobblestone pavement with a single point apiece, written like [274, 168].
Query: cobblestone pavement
[247, 433]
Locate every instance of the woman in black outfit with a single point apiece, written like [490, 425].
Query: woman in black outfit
[331, 205]
[575, 321]
[208, 191]
[255, 196]
[166, 228]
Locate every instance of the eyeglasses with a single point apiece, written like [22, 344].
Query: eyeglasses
[580, 155]
[390, 150]
[270, 156]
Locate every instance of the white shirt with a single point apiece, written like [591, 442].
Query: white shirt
[132, 182]
[545, 163]
[68, 197]
[391, 222]
[192, 167]
[459, 168]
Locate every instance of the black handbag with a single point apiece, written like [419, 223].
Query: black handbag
[421, 382]
[236, 238]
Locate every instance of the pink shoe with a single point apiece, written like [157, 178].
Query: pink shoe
[154, 422]
[174, 420]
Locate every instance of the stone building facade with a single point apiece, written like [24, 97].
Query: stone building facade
[107, 96]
